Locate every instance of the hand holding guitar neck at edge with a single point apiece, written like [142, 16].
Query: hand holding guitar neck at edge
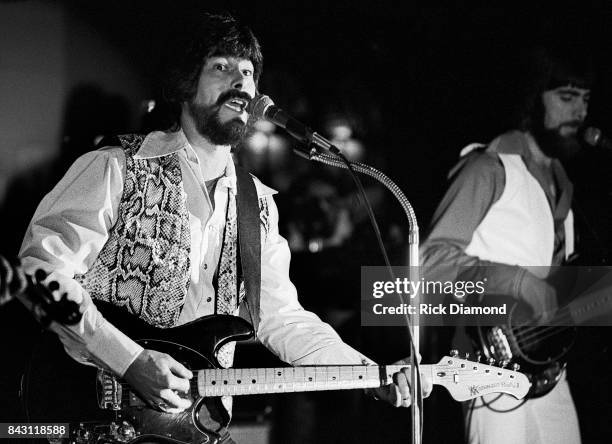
[398, 393]
[12, 280]
[45, 300]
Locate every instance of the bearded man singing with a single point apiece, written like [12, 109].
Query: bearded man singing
[148, 223]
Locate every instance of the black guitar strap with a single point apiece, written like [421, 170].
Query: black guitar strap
[249, 241]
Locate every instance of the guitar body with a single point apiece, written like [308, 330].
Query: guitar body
[538, 350]
[57, 389]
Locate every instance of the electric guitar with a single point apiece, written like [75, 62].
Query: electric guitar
[540, 350]
[72, 392]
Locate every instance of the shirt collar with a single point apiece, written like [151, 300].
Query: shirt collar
[229, 177]
[159, 143]
[517, 142]
[513, 142]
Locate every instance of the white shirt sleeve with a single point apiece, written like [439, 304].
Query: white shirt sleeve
[297, 336]
[68, 230]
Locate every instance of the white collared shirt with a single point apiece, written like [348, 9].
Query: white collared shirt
[72, 223]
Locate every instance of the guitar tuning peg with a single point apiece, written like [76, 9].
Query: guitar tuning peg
[478, 356]
[504, 363]
[467, 356]
[454, 353]
[53, 285]
[491, 361]
[516, 367]
[40, 275]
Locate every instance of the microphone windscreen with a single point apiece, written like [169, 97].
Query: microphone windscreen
[592, 136]
[258, 106]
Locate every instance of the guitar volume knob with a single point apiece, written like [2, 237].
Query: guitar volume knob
[127, 431]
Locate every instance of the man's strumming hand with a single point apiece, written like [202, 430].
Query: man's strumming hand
[160, 380]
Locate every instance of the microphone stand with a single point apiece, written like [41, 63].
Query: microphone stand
[413, 263]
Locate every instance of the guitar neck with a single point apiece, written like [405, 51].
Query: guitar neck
[253, 381]
[590, 307]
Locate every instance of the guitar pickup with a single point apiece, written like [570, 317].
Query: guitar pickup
[500, 347]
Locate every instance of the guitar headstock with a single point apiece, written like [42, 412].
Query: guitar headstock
[44, 306]
[468, 379]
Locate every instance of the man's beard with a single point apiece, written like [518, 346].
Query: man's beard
[555, 145]
[210, 126]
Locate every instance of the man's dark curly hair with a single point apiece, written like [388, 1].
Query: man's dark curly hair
[548, 68]
[200, 37]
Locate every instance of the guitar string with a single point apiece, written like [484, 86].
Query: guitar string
[531, 335]
[194, 384]
[439, 367]
[524, 335]
[467, 373]
[559, 321]
[564, 314]
[535, 339]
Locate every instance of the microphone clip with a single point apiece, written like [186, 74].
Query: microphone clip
[315, 146]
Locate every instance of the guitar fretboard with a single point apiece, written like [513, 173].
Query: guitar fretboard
[252, 381]
[587, 308]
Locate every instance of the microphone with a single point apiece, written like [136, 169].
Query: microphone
[595, 138]
[263, 107]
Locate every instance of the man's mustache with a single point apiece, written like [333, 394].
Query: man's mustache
[232, 94]
[573, 124]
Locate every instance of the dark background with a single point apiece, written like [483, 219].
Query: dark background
[416, 83]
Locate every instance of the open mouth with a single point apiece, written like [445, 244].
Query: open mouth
[570, 129]
[237, 104]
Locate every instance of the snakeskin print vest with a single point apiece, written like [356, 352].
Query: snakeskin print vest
[144, 265]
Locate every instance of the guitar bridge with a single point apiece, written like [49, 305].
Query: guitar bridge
[109, 391]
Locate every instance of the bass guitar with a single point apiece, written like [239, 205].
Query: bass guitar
[541, 350]
[67, 392]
